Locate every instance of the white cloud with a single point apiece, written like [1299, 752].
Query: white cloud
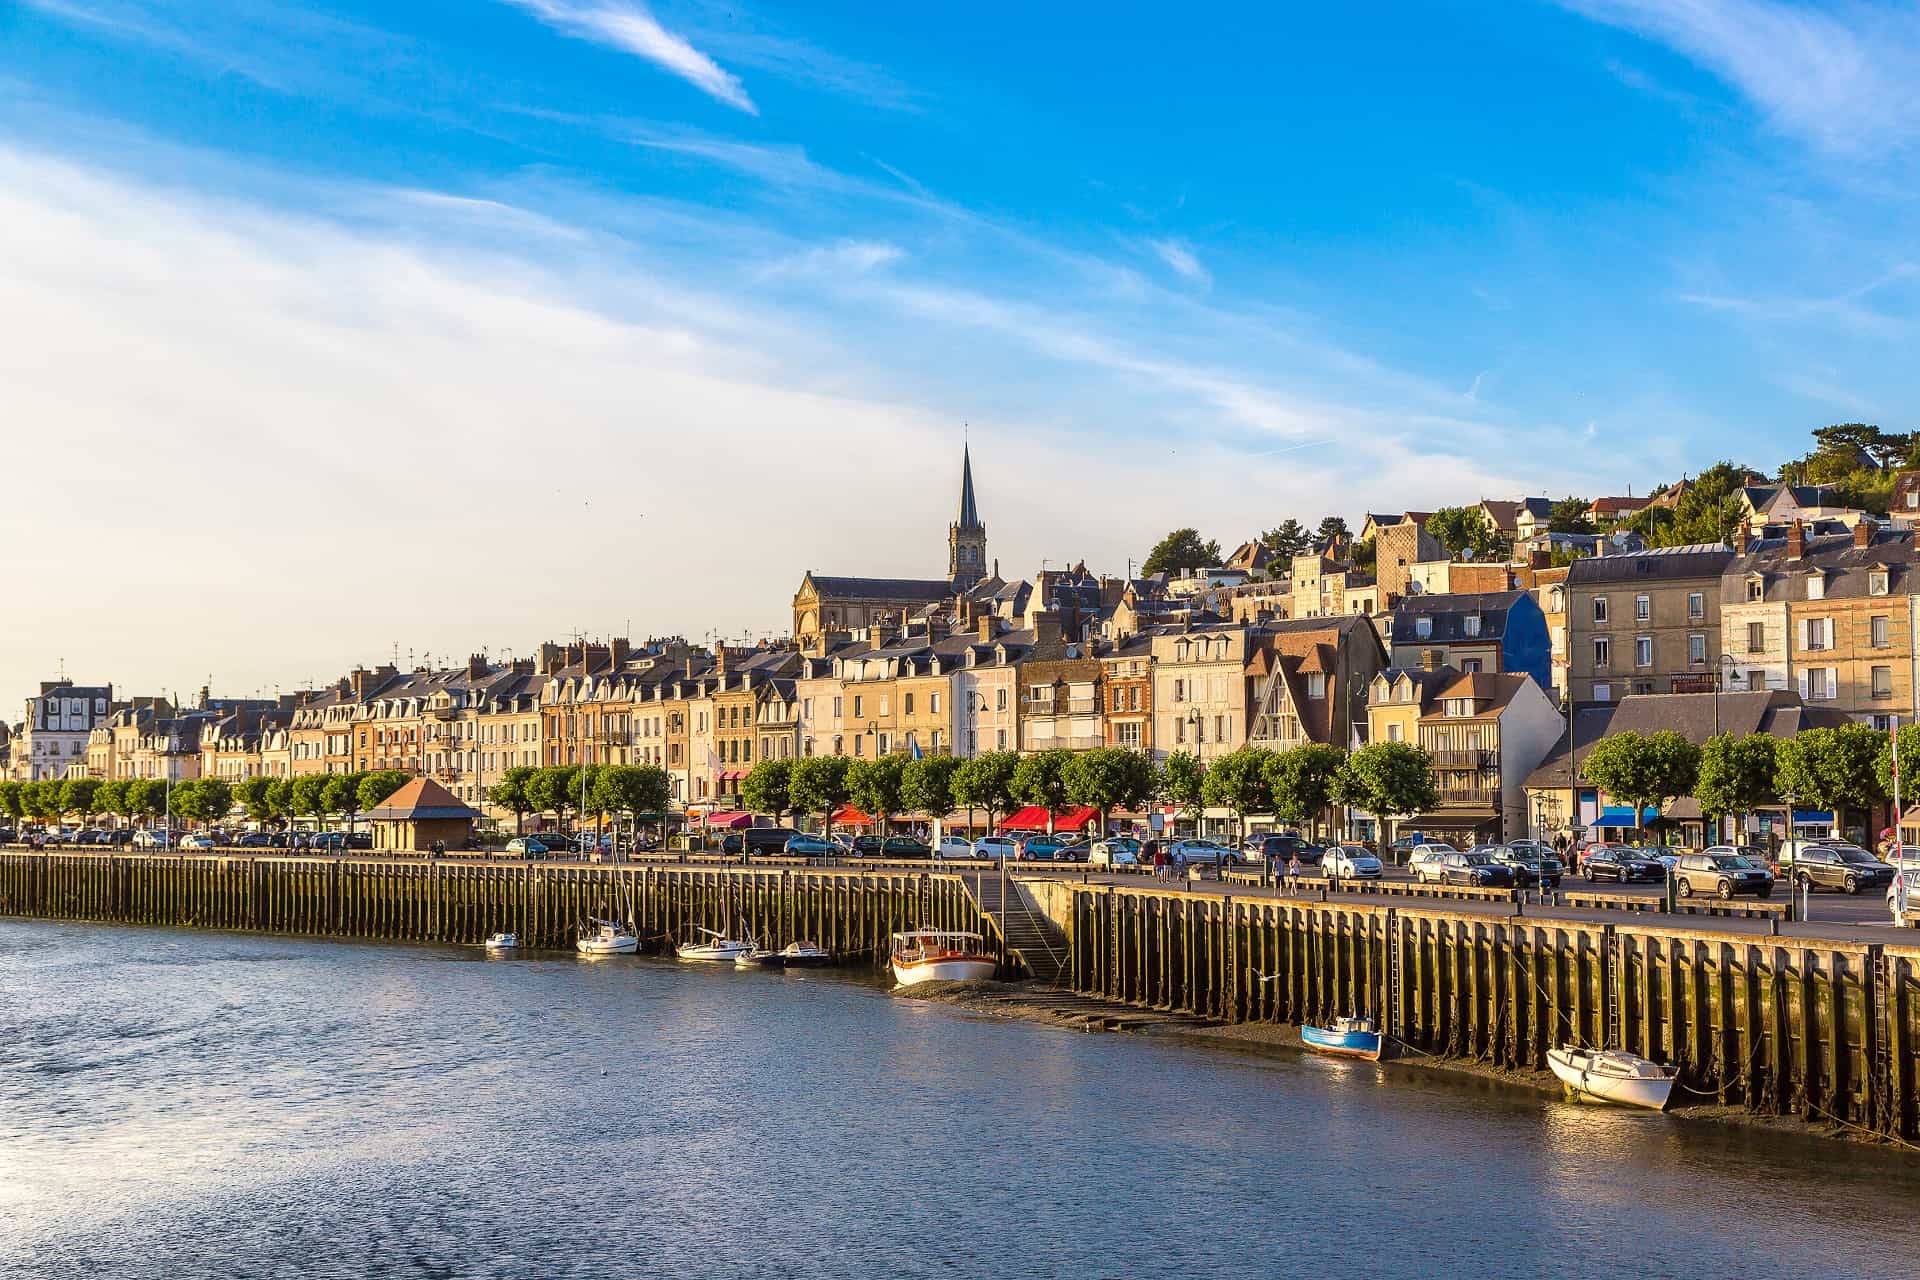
[1846, 77]
[845, 258]
[631, 28]
[1180, 256]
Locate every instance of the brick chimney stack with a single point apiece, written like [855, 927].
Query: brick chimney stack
[720, 657]
[1740, 539]
[1863, 533]
[1431, 659]
[1796, 540]
[476, 666]
[989, 627]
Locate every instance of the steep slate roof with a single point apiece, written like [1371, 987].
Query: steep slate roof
[1847, 567]
[914, 589]
[1691, 715]
[1701, 560]
[1449, 613]
[969, 513]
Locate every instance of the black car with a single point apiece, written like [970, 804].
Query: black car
[1475, 871]
[1282, 849]
[254, 840]
[1624, 866]
[1841, 868]
[1530, 869]
[905, 847]
[867, 846]
[758, 842]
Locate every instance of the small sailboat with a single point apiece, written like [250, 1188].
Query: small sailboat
[606, 938]
[933, 955]
[1613, 1075]
[1346, 1037]
[502, 942]
[718, 948]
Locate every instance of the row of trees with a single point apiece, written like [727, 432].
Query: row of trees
[589, 790]
[318, 795]
[1298, 785]
[1841, 769]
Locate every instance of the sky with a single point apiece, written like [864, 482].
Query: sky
[330, 332]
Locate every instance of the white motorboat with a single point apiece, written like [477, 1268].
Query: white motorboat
[606, 938]
[503, 942]
[934, 955]
[717, 949]
[1613, 1075]
[805, 955]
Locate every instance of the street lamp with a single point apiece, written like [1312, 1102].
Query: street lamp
[1726, 669]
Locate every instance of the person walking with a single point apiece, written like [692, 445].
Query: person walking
[1293, 872]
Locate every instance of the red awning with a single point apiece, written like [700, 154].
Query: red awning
[1034, 818]
[848, 816]
[730, 819]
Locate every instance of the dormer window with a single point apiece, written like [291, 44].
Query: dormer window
[1422, 628]
[1816, 585]
[1756, 588]
[1877, 582]
[1471, 623]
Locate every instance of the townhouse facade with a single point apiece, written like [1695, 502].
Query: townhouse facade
[1645, 622]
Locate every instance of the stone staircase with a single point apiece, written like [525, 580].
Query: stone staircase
[1029, 935]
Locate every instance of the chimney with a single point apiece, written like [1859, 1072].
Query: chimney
[1863, 533]
[1431, 659]
[621, 648]
[551, 658]
[1047, 628]
[1540, 558]
[1796, 540]
[989, 627]
[1740, 539]
[358, 679]
[720, 657]
[476, 667]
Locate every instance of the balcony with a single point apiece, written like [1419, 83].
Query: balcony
[1470, 797]
[1474, 760]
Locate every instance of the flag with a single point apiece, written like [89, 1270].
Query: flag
[913, 747]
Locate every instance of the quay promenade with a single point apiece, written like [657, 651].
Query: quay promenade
[1817, 1020]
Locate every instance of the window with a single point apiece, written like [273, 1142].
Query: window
[884, 745]
[1883, 723]
[1000, 701]
[858, 744]
[1756, 637]
[1470, 665]
[1816, 586]
[1819, 683]
[1643, 651]
[1219, 728]
[1316, 684]
[1422, 627]
[906, 704]
[1000, 740]
[1756, 588]
[886, 705]
[1199, 729]
[1819, 634]
[1642, 608]
[1127, 734]
[1179, 729]
[1393, 732]
[1878, 630]
[1600, 610]
[856, 705]
[933, 703]
[1696, 650]
[1696, 605]
[1883, 682]
[1602, 651]
[839, 745]
[836, 711]
[1603, 692]
[1471, 624]
[1179, 690]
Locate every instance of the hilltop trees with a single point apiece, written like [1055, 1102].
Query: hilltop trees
[1181, 549]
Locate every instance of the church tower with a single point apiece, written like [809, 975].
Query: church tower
[966, 537]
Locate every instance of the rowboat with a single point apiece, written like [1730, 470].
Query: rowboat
[1346, 1037]
[1612, 1075]
[607, 938]
[933, 955]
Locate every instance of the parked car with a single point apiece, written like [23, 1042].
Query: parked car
[254, 840]
[8, 835]
[327, 840]
[1531, 866]
[1114, 851]
[1588, 849]
[954, 847]
[1038, 848]
[756, 842]
[1351, 861]
[996, 847]
[359, 839]
[119, 837]
[149, 839]
[1424, 860]
[1475, 870]
[1280, 849]
[865, 846]
[198, 841]
[1721, 872]
[1909, 879]
[1622, 864]
[527, 847]
[905, 847]
[1842, 868]
[1666, 855]
[1198, 850]
[805, 845]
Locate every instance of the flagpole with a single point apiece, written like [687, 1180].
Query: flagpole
[1899, 845]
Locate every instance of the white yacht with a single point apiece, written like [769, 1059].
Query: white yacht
[1613, 1075]
[717, 948]
[503, 942]
[606, 938]
[936, 955]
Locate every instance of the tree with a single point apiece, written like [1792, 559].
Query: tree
[1387, 780]
[1646, 770]
[10, 800]
[874, 785]
[1301, 780]
[1181, 549]
[342, 795]
[985, 782]
[767, 788]
[511, 794]
[1109, 778]
[110, 798]
[1364, 555]
[1467, 534]
[819, 785]
[146, 797]
[1833, 769]
[40, 800]
[375, 787]
[80, 797]
[310, 796]
[1570, 515]
[554, 790]
[251, 795]
[926, 785]
[633, 789]
[1909, 765]
[202, 800]
[1041, 779]
[1238, 781]
[1708, 511]
[1735, 775]
[280, 801]
[1181, 782]
[1288, 539]
[1332, 529]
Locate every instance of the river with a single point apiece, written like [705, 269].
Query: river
[179, 1104]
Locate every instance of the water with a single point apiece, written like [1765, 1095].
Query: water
[178, 1104]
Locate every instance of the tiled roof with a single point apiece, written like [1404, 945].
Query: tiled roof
[1447, 615]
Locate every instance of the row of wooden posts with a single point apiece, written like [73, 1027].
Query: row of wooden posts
[1821, 1029]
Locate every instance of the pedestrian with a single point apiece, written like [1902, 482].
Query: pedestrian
[1180, 864]
[1293, 872]
[1159, 861]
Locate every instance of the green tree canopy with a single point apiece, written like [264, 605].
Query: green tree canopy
[926, 785]
[80, 797]
[310, 795]
[873, 785]
[1387, 780]
[146, 797]
[1109, 778]
[1708, 511]
[1301, 780]
[280, 801]
[1181, 549]
[1181, 782]
[1831, 768]
[1466, 533]
[1238, 781]
[1735, 775]
[511, 793]
[1041, 779]
[633, 789]
[1333, 529]
[40, 799]
[819, 785]
[1287, 539]
[1646, 770]
[10, 799]
[1570, 516]
[375, 787]
[555, 789]
[110, 798]
[985, 782]
[251, 795]
[767, 788]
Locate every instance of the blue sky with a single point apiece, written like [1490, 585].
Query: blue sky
[355, 282]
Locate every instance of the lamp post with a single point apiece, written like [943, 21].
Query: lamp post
[1726, 669]
[1195, 719]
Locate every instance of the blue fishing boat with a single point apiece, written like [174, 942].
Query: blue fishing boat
[1348, 1037]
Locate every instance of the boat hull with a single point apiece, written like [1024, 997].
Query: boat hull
[910, 973]
[1344, 1044]
[617, 947]
[1649, 1093]
[711, 955]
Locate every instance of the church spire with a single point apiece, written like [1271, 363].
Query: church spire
[966, 537]
[969, 514]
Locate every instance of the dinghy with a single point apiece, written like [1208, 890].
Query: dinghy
[1612, 1075]
[1347, 1038]
[503, 942]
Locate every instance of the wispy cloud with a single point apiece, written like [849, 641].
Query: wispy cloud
[1180, 256]
[1846, 78]
[846, 258]
[630, 28]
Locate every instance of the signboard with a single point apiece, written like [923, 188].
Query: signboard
[1701, 683]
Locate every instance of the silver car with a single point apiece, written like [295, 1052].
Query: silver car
[1351, 861]
[1116, 851]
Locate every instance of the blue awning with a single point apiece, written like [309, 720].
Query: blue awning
[1814, 817]
[1622, 816]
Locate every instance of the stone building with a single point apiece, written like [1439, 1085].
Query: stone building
[1646, 622]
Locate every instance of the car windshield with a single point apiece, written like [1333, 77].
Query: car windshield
[1849, 853]
[1477, 859]
[1729, 862]
[1355, 851]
